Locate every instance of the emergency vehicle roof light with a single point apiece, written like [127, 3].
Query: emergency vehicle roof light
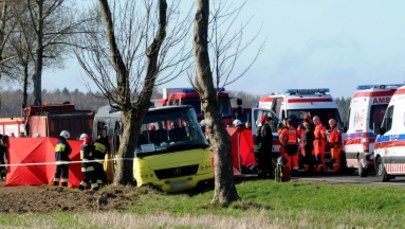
[379, 86]
[307, 91]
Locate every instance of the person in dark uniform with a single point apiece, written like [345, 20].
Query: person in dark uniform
[86, 156]
[101, 148]
[62, 152]
[264, 147]
[306, 133]
[3, 155]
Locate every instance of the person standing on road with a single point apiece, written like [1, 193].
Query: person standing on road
[62, 152]
[283, 127]
[319, 144]
[335, 144]
[264, 145]
[86, 156]
[306, 133]
[289, 141]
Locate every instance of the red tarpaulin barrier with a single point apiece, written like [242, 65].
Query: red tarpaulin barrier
[39, 150]
[243, 157]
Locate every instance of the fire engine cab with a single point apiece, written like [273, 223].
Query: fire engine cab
[367, 110]
[189, 96]
[296, 103]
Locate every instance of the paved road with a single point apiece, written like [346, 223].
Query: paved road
[354, 178]
[330, 177]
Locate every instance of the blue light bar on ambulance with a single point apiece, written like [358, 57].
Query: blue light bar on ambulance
[307, 91]
[377, 86]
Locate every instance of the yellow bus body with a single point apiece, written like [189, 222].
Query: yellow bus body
[174, 171]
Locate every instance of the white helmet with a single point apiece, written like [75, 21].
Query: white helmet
[82, 136]
[237, 122]
[65, 134]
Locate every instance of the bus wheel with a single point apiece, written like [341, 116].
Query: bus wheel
[381, 172]
[362, 171]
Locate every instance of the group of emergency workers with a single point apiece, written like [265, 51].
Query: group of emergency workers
[310, 139]
[92, 155]
[314, 140]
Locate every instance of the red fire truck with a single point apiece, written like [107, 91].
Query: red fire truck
[189, 96]
[49, 121]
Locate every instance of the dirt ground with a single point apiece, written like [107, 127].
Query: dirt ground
[43, 199]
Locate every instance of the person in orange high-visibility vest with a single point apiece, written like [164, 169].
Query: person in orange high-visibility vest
[281, 128]
[289, 141]
[335, 144]
[319, 145]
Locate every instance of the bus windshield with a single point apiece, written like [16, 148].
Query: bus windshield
[170, 130]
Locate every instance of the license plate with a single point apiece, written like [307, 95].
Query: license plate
[178, 185]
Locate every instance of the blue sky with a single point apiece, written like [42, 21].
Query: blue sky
[337, 44]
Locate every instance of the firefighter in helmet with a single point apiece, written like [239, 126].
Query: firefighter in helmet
[101, 148]
[62, 152]
[87, 157]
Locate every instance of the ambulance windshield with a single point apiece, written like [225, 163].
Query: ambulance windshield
[324, 114]
[377, 113]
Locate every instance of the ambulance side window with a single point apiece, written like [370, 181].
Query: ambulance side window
[376, 116]
[347, 123]
[276, 105]
[387, 122]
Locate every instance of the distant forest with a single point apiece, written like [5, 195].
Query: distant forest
[11, 100]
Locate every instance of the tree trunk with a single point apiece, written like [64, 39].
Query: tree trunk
[37, 77]
[124, 171]
[225, 190]
[25, 88]
[132, 114]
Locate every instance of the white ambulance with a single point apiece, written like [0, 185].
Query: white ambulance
[296, 103]
[367, 109]
[389, 148]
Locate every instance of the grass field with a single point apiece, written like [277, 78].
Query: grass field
[264, 204]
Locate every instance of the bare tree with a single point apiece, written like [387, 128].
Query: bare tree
[225, 190]
[227, 46]
[51, 23]
[227, 42]
[21, 42]
[126, 57]
[8, 23]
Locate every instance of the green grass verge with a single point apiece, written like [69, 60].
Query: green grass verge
[264, 204]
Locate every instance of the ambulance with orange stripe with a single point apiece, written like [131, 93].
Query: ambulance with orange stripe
[389, 148]
[367, 108]
[296, 103]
